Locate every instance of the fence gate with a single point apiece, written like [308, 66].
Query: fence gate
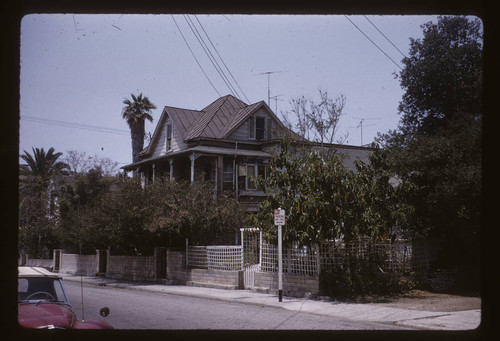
[251, 241]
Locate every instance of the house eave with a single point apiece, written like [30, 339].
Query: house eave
[202, 150]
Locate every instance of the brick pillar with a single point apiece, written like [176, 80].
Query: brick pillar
[57, 260]
[102, 257]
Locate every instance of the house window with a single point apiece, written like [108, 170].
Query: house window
[251, 128]
[251, 174]
[257, 128]
[169, 136]
[227, 176]
[260, 128]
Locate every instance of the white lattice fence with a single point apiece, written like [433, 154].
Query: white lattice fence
[224, 257]
[396, 257]
[296, 260]
[215, 257]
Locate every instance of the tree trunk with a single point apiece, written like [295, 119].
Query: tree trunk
[137, 134]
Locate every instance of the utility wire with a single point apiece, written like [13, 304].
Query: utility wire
[209, 54]
[215, 49]
[192, 53]
[74, 125]
[373, 43]
[384, 36]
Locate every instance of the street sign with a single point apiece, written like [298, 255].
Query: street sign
[279, 217]
[279, 220]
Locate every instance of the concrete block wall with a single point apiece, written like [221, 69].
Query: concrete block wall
[177, 271]
[293, 285]
[44, 263]
[131, 267]
[78, 264]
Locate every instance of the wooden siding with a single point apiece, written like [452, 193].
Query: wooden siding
[241, 133]
[161, 145]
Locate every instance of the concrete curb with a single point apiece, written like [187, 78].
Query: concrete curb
[367, 312]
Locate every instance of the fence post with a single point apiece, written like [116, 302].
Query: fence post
[318, 259]
[260, 249]
[187, 253]
[242, 250]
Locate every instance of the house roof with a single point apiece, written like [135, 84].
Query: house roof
[216, 121]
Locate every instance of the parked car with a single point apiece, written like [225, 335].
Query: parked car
[43, 303]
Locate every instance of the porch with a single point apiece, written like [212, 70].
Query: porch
[230, 171]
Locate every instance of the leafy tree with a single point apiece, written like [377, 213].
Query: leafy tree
[79, 199]
[324, 200]
[437, 147]
[135, 113]
[133, 220]
[442, 77]
[182, 210]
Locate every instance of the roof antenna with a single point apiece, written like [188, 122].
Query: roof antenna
[360, 125]
[268, 73]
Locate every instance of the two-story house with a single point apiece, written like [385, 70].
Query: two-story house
[228, 143]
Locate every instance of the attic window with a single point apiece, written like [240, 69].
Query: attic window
[260, 128]
[169, 136]
[257, 128]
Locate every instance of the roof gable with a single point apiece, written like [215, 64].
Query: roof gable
[216, 121]
[218, 116]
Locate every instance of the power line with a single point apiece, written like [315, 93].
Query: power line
[373, 43]
[192, 53]
[384, 36]
[74, 125]
[230, 73]
[209, 54]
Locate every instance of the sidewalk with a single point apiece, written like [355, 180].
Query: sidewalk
[367, 312]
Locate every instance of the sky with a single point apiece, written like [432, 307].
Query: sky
[76, 70]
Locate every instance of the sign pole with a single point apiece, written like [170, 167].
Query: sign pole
[279, 220]
[280, 265]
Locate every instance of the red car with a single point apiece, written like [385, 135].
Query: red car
[43, 304]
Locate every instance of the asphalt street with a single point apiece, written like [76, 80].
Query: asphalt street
[133, 309]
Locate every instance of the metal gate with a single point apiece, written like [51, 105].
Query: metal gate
[251, 241]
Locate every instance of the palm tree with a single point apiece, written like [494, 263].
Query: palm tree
[35, 201]
[41, 166]
[136, 112]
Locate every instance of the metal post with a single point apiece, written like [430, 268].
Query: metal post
[280, 265]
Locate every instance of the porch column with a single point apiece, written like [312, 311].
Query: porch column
[171, 161]
[154, 172]
[192, 157]
[220, 177]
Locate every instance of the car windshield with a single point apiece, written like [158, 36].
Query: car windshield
[40, 289]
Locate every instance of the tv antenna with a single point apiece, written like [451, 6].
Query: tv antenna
[268, 73]
[360, 124]
[276, 99]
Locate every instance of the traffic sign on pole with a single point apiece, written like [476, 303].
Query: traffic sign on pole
[279, 220]
[279, 217]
